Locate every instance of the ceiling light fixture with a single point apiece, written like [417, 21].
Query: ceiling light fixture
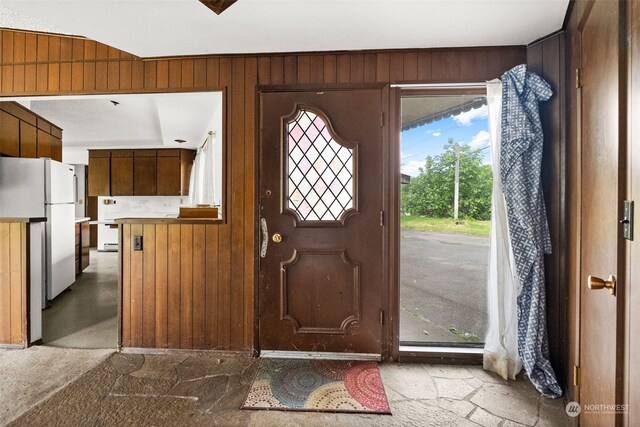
[180, 141]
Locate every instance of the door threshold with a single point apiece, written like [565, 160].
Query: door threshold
[442, 355]
[319, 355]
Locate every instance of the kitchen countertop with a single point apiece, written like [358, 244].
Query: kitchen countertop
[82, 219]
[171, 220]
[27, 219]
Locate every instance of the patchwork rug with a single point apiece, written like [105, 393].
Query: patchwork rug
[318, 385]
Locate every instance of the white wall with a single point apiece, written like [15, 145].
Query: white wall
[74, 155]
[133, 207]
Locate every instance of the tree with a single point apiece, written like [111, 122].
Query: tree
[431, 192]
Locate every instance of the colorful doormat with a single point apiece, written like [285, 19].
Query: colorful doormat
[318, 385]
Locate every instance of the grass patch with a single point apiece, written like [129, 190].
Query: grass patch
[446, 225]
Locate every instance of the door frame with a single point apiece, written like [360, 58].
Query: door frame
[463, 355]
[389, 345]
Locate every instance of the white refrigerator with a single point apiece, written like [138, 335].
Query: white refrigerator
[44, 188]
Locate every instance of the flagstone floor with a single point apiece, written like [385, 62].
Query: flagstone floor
[204, 389]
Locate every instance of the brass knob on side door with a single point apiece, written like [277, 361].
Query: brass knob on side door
[277, 237]
[595, 283]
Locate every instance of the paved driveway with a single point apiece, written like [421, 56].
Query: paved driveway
[442, 286]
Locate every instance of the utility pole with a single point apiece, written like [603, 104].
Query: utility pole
[456, 185]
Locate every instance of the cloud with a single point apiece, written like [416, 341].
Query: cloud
[437, 133]
[404, 155]
[412, 168]
[480, 140]
[465, 118]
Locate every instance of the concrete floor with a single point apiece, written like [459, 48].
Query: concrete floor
[46, 385]
[85, 316]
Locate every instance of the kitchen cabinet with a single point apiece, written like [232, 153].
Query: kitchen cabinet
[162, 172]
[25, 134]
[144, 173]
[82, 245]
[121, 172]
[43, 144]
[168, 164]
[99, 172]
[28, 138]
[9, 135]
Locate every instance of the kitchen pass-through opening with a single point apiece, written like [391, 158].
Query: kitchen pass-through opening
[445, 219]
[156, 155]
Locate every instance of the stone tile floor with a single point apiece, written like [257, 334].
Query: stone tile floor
[205, 389]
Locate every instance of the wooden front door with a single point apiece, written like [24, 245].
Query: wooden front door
[320, 213]
[601, 343]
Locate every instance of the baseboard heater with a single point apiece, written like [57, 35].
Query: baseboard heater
[110, 247]
[277, 354]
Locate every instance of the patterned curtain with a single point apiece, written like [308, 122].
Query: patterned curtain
[520, 163]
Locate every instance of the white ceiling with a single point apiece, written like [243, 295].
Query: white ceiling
[140, 121]
[150, 28]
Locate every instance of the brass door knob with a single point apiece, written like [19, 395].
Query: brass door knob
[277, 237]
[595, 283]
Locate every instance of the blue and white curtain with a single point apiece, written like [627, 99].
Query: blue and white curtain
[520, 159]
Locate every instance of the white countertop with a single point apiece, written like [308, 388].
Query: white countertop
[82, 219]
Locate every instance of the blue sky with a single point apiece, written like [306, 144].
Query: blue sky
[468, 128]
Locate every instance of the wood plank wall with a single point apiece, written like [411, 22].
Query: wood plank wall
[546, 58]
[50, 65]
[13, 283]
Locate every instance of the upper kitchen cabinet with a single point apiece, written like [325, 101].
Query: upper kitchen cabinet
[163, 172]
[99, 172]
[28, 140]
[121, 172]
[9, 135]
[25, 134]
[144, 173]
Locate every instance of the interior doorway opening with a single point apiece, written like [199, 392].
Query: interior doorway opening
[445, 213]
[155, 128]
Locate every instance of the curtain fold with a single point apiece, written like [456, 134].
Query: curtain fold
[501, 346]
[520, 167]
[202, 179]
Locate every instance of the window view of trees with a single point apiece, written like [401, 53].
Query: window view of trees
[431, 193]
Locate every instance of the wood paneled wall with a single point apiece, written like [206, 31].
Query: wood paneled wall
[13, 283]
[50, 65]
[172, 295]
[546, 58]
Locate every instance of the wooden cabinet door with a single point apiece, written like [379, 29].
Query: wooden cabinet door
[28, 136]
[99, 172]
[121, 172]
[168, 182]
[84, 245]
[56, 148]
[9, 135]
[44, 144]
[144, 173]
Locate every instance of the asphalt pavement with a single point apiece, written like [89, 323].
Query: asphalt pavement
[443, 282]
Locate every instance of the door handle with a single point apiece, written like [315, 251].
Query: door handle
[595, 283]
[277, 237]
[265, 238]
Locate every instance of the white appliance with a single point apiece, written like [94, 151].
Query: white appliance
[44, 188]
[79, 190]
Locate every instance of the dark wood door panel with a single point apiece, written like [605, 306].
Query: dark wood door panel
[122, 176]
[320, 286]
[27, 140]
[9, 135]
[144, 176]
[601, 174]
